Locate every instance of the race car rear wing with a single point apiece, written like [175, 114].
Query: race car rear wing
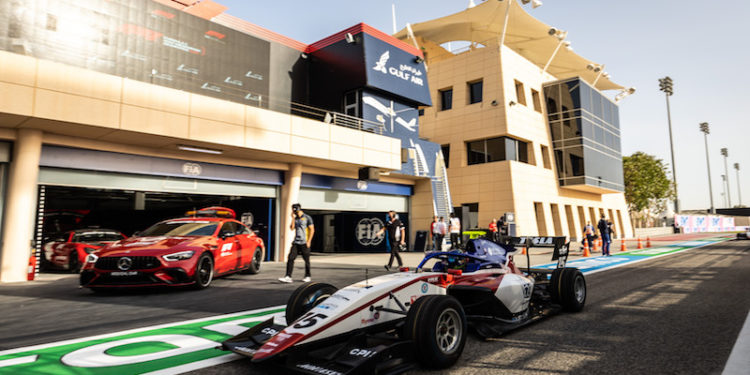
[560, 252]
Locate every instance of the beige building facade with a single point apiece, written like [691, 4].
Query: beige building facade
[492, 95]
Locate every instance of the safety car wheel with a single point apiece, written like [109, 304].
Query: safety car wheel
[568, 288]
[74, 266]
[304, 298]
[204, 272]
[255, 264]
[437, 326]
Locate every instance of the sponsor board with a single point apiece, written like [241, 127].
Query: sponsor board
[164, 349]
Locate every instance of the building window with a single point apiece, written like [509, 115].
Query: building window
[446, 149]
[475, 92]
[446, 99]
[351, 103]
[420, 112]
[496, 149]
[537, 100]
[545, 157]
[520, 94]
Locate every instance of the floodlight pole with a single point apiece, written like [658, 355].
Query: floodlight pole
[666, 87]
[705, 130]
[725, 153]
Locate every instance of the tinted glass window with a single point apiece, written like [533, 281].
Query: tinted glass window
[523, 152]
[446, 99]
[181, 228]
[495, 149]
[510, 149]
[475, 152]
[475, 92]
[228, 229]
[85, 237]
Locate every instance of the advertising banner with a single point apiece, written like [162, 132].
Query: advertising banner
[394, 70]
[703, 223]
[141, 40]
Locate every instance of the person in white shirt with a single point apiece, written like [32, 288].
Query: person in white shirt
[455, 226]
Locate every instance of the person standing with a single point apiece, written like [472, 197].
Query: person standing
[302, 225]
[433, 229]
[455, 227]
[493, 229]
[397, 235]
[604, 233]
[441, 230]
[434, 232]
[588, 233]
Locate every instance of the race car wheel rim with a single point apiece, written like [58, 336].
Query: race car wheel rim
[579, 288]
[448, 331]
[205, 271]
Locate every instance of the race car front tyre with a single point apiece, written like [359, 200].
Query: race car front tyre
[255, 264]
[568, 288]
[437, 326]
[204, 272]
[304, 298]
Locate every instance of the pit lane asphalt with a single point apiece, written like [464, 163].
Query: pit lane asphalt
[676, 314]
[679, 314]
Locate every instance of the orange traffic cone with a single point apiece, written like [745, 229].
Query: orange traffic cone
[622, 245]
[640, 244]
[648, 241]
[593, 245]
[586, 248]
[523, 251]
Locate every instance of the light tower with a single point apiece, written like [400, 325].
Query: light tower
[665, 85]
[725, 153]
[739, 189]
[706, 131]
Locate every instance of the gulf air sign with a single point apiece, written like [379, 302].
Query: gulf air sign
[394, 70]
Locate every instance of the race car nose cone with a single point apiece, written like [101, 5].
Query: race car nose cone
[276, 345]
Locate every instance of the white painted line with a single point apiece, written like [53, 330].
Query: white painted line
[197, 365]
[739, 361]
[18, 361]
[136, 330]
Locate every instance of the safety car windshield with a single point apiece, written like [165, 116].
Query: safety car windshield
[181, 228]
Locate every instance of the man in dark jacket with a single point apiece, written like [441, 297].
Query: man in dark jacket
[604, 233]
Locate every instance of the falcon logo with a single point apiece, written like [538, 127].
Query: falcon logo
[380, 65]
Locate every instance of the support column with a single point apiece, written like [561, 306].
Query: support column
[21, 206]
[289, 196]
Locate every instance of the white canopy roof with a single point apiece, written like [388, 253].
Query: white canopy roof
[525, 35]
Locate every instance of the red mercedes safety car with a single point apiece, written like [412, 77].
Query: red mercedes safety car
[68, 250]
[177, 252]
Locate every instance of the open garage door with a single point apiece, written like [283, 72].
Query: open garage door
[77, 199]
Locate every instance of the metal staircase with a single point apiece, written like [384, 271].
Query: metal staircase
[441, 194]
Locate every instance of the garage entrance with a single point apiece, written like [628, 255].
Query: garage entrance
[131, 203]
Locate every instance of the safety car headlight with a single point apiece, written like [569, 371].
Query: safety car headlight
[90, 250]
[91, 258]
[182, 255]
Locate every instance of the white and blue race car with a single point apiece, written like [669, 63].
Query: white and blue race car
[392, 323]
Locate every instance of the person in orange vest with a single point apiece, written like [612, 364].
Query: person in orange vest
[588, 233]
[493, 229]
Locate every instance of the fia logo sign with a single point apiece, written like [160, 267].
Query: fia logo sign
[366, 231]
[192, 169]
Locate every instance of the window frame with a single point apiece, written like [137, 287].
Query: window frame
[469, 88]
[441, 94]
[520, 92]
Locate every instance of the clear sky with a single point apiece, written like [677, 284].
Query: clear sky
[700, 44]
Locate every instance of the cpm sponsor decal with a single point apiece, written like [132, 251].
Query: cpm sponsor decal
[180, 346]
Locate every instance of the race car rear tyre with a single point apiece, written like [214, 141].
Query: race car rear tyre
[255, 264]
[204, 272]
[568, 288]
[304, 298]
[437, 326]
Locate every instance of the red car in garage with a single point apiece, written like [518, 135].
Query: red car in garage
[188, 251]
[68, 250]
